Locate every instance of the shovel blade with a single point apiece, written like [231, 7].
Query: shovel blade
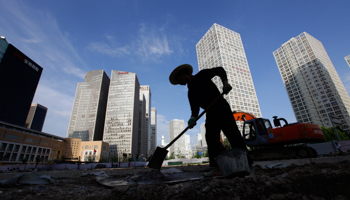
[157, 158]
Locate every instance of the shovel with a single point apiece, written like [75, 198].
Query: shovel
[160, 152]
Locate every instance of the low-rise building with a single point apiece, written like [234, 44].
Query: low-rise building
[17, 143]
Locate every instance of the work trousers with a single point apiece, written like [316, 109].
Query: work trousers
[217, 121]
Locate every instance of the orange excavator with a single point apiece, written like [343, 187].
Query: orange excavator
[287, 141]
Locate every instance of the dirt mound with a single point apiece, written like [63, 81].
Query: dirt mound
[308, 182]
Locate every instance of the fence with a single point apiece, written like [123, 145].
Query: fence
[82, 166]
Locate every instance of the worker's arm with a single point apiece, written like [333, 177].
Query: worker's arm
[194, 104]
[218, 71]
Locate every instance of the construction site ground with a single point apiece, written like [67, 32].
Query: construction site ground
[314, 179]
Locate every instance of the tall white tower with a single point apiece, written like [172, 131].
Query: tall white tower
[88, 113]
[204, 141]
[153, 143]
[187, 149]
[312, 83]
[122, 114]
[176, 126]
[223, 47]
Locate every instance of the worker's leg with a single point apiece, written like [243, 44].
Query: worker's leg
[231, 131]
[212, 136]
[229, 128]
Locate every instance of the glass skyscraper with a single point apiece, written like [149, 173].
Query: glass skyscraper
[36, 117]
[146, 91]
[88, 113]
[122, 114]
[312, 83]
[142, 137]
[19, 78]
[223, 47]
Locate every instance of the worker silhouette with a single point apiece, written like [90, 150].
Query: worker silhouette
[201, 93]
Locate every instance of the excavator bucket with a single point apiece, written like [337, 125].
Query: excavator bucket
[243, 116]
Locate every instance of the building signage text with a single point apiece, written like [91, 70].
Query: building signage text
[30, 64]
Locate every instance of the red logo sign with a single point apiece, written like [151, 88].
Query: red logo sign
[123, 72]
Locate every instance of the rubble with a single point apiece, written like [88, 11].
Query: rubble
[313, 181]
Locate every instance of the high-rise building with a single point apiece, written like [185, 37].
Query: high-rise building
[204, 141]
[19, 78]
[142, 137]
[153, 143]
[122, 114]
[88, 113]
[36, 117]
[199, 139]
[223, 47]
[145, 90]
[187, 149]
[347, 58]
[176, 126]
[312, 83]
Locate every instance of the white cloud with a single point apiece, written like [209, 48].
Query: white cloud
[110, 50]
[37, 34]
[149, 44]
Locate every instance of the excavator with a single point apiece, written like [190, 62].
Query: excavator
[282, 142]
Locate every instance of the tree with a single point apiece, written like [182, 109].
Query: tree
[63, 158]
[37, 161]
[172, 155]
[103, 159]
[227, 144]
[197, 155]
[24, 162]
[329, 134]
[178, 155]
[206, 153]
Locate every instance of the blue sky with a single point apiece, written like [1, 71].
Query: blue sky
[151, 38]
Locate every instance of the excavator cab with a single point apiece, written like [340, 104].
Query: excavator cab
[255, 131]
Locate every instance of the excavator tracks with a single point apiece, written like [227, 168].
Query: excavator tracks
[282, 152]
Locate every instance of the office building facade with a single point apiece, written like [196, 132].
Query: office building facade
[19, 78]
[312, 83]
[88, 113]
[153, 144]
[176, 126]
[142, 137]
[146, 91]
[122, 114]
[347, 59]
[187, 149]
[18, 142]
[223, 47]
[36, 117]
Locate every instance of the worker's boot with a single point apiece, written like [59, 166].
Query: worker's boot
[213, 172]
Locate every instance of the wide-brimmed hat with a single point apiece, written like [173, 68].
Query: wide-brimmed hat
[173, 74]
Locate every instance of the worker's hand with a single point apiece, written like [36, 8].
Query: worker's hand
[191, 122]
[226, 87]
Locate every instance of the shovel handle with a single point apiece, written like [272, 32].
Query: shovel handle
[199, 116]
